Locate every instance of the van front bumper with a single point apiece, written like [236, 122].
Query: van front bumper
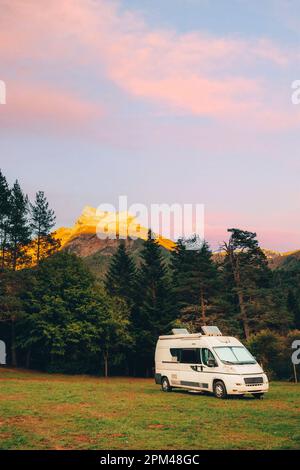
[240, 387]
[243, 391]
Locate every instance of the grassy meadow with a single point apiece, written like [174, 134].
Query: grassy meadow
[42, 411]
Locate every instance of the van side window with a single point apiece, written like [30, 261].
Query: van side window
[190, 356]
[175, 353]
[206, 355]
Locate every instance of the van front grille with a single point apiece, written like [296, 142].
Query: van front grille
[253, 380]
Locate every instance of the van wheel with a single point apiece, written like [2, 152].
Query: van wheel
[165, 385]
[220, 389]
[258, 396]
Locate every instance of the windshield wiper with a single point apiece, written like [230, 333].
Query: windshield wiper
[245, 363]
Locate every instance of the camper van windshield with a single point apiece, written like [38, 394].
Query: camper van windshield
[234, 355]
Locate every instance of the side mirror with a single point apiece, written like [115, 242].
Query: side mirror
[211, 363]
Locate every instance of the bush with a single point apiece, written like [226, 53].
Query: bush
[274, 352]
[268, 348]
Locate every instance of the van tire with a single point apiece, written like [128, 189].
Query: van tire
[258, 396]
[220, 389]
[165, 385]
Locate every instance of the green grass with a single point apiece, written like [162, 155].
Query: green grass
[41, 411]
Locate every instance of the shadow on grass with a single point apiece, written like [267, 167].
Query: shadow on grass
[210, 395]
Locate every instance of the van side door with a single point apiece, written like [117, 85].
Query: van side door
[209, 364]
[191, 368]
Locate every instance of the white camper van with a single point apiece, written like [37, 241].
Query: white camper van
[208, 362]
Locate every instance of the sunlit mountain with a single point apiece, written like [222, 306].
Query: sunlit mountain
[91, 238]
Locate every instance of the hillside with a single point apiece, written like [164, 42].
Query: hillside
[83, 240]
[282, 260]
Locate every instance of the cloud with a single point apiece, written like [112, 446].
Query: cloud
[40, 107]
[219, 78]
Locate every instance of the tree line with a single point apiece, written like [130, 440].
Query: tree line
[235, 290]
[25, 227]
[56, 316]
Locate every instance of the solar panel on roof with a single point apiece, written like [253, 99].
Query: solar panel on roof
[211, 331]
[180, 331]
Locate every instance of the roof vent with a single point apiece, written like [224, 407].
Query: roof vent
[211, 330]
[180, 331]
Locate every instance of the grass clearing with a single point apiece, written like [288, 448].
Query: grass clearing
[43, 411]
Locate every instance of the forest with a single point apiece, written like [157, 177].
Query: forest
[56, 316]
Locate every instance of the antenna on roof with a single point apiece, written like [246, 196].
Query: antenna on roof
[180, 331]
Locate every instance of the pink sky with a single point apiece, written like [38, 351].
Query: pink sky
[210, 109]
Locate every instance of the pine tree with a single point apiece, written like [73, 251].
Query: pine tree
[42, 221]
[227, 303]
[249, 268]
[181, 260]
[120, 280]
[121, 284]
[19, 229]
[195, 280]
[4, 218]
[156, 307]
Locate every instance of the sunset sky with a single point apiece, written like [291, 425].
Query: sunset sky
[164, 101]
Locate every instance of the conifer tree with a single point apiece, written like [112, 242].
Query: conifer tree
[156, 308]
[121, 283]
[250, 272]
[42, 222]
[4, 218]
[182, 263]
[19, 228]
[204, 280]
[120, 280]
[195, 280]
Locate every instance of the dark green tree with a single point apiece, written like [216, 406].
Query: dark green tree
[4, 218]
[42, 222]
[287, 285]
[19, 228]
[268, 346]
[116, 337]
[156, 307]
[70, 324]
[121, 278]
[121, 284]
[181, 262]
[293, 306]
[252, 280]
[195, 281]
